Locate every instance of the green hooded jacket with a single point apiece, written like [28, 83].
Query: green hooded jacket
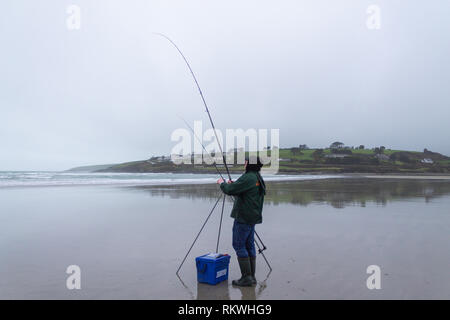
[249, 190]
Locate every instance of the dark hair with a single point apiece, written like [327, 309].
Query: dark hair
[254, 164]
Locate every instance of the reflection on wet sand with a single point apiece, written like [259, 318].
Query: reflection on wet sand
[337, 193]
[221, 291]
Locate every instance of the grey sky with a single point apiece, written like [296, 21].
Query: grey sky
[111, 91]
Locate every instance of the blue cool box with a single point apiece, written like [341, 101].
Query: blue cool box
[212, 268]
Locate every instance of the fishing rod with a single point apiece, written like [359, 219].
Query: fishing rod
[220, 174]
[219, 145]
[201, 143]
[203, 99]
[260, 250]
[220, 226]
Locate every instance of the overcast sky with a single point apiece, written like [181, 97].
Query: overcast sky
[112, 91]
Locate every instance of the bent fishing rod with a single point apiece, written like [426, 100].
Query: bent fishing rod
[218, 143]
[203, 99]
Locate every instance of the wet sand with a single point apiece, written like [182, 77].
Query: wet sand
[321, 237]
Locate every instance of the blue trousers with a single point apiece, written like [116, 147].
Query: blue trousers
[244, 239]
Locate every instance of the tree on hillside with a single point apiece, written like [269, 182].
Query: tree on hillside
[379, 150]
[303, 147]
[361, 147]
[337, 145]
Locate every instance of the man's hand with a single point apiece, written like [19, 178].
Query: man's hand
[220, 181]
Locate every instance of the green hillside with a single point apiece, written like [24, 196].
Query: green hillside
[297, 160]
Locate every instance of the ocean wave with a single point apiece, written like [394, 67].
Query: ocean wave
[53, 179]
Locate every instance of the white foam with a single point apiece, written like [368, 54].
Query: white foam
[47, 179]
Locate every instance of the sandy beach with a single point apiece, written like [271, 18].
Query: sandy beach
[321, 237]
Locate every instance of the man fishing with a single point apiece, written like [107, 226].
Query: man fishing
[249, 190]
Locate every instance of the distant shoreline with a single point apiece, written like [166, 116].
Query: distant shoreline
[298, 161]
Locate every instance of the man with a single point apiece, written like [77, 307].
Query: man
[249, 191]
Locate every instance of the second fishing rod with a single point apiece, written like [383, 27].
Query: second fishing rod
[261, 247]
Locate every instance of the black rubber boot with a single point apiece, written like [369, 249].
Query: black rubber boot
[253, 268]
[246, 271]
